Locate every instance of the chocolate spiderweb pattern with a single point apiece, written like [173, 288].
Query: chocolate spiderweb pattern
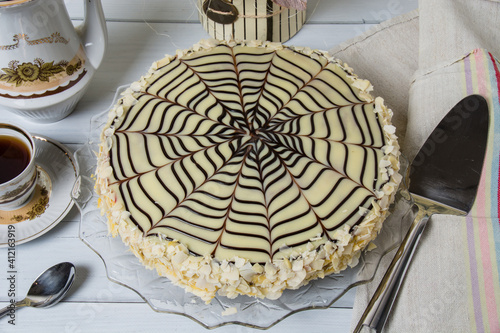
[247, 152]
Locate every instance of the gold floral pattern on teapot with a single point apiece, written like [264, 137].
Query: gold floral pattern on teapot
[40, 74]
[19, 74]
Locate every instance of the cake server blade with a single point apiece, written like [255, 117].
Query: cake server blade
[444, 178]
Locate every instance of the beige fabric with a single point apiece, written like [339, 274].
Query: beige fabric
[449, 29]
[452, 28]
[414, 62]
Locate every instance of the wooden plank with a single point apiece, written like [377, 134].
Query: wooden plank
[58, 245]
[109, 317]
[133, 46]
[318, 11]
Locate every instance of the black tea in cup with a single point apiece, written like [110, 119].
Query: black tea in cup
[14, 157]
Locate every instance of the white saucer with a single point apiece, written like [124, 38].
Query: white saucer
[57, 173]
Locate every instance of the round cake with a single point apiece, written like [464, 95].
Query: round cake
[247, 168]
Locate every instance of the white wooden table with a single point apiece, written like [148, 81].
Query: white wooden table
[140, 32]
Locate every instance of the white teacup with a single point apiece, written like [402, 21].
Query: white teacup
[18, 174]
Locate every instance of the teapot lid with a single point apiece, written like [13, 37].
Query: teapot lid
[5, 3]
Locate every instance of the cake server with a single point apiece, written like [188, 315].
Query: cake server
[444, 177]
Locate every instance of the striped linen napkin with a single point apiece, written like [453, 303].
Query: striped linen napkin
[481, 228]
[453, 283]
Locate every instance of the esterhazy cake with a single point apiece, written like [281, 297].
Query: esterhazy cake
[247, 168]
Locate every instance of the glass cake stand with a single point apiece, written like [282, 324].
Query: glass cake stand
[124, 268]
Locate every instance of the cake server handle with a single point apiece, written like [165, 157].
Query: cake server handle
[380, 305]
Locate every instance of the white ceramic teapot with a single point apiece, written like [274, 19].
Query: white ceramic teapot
[45, 63]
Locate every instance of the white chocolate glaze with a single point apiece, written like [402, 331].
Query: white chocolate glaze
[247, 168]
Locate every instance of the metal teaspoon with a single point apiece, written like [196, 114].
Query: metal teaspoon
[48, 289]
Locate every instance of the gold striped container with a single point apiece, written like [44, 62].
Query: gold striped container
[256, 20]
